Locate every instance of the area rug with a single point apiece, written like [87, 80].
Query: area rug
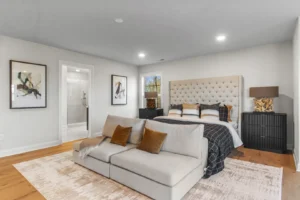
[57, 177]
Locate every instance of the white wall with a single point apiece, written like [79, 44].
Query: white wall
[78, 82]
[268, 65]
[296, 43]
[24, 129]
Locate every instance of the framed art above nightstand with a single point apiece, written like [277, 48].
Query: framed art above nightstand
[265, 131]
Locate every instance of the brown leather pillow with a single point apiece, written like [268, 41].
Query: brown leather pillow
[121, 135]
[152, 141]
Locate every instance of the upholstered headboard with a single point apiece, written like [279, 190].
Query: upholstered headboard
[226, 90]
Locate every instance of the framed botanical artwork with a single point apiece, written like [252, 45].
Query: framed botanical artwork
[118, 90]
[28, 85]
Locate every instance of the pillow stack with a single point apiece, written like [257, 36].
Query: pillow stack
[175, 110]
[190, 111]
[210, 111]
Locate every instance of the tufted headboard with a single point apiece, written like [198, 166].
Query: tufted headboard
[226, 90]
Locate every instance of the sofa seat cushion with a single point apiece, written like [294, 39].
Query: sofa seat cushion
[106, 149]
[165, 168]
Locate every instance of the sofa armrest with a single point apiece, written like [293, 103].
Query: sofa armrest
[204, 151]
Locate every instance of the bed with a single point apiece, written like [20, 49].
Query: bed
[223, 137]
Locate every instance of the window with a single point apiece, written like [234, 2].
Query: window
[152, 83]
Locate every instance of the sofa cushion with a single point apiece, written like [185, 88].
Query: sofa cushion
[166, 168]
[181, 139]
[137, 127]
[106, 149]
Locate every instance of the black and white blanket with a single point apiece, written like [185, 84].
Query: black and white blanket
[220, 143]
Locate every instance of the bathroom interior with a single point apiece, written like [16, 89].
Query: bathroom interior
[77, 108]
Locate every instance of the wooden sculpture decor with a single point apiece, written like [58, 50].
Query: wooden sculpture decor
[151, 103]
[151, 99]
[263, 105]
[263, 101]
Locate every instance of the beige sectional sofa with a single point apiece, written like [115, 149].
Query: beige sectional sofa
[168, 175]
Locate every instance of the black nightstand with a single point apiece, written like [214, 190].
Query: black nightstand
[265, 131]
[145, 113]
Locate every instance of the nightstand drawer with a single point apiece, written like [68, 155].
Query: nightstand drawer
[266, 143]
[265, 119]
[264, 131]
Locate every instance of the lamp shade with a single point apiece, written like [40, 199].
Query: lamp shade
[261, 92]
[149, 95]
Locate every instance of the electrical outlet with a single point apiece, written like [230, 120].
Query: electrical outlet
[1, 137]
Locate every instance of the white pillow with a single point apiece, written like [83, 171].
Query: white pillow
[210, 114]
[137, 127]
[174, 113]
[181, 139]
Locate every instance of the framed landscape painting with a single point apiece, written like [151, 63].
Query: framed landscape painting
[28, 85]
[118, 90]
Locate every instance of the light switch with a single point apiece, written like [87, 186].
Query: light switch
[1, 137]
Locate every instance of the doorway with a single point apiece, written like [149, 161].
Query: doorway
[75, 101]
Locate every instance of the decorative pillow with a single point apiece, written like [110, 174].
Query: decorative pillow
[223, 113]
[190, 110]
[152, 141]
[121, 135]
[229, 107]
[210, 111]
[137, 127]
[181, 139]
[175, 110]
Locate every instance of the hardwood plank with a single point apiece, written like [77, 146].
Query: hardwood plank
[14, 186]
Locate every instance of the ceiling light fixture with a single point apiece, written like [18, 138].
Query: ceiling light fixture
[119, 20]
[142, 55]
[221, 38]
[77, 70]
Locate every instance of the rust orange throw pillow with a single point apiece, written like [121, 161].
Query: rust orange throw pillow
[152, 141]
[121, 135]
[229, 107]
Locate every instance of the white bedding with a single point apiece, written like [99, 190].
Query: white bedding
[235, 137]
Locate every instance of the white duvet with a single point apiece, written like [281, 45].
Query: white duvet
[235, 137]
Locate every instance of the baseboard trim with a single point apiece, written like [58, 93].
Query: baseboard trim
[77, 124]
[19, 150]
[297, 164]
[290, 146]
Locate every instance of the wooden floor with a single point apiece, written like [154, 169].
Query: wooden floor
[14, 186]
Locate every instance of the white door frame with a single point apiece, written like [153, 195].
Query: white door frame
[63, 100]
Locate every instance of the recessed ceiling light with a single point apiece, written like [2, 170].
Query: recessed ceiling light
[77, 70]
[119, 20]
[221, 38]
[162, 59]
[142, 55]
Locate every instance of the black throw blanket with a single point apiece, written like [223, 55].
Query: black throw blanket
[220, 144]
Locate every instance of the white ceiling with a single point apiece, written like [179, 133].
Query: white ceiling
[163, 29]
